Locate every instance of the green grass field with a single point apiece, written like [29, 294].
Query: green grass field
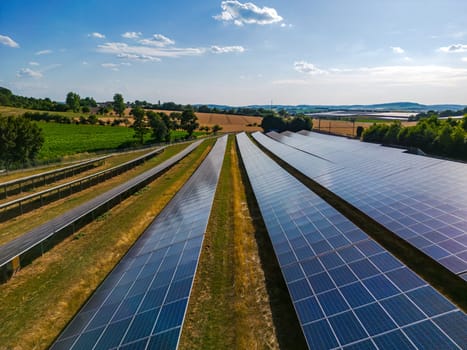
[14, 111]
[67, 139]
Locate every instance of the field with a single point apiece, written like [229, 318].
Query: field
[346, 128]
[229, 122]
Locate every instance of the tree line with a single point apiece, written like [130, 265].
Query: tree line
[160, 124]
[432, 135]
[272, 122]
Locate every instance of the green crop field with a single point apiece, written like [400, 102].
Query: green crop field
[67, 139]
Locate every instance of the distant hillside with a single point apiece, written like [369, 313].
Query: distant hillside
[392, 107]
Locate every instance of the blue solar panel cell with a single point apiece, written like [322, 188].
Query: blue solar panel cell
[405, 279]
[332, 302]
[380, 286]
[112, 335]
[320, 335]
[300, 289]
[141, 326]
[356, 294]
[164, 341]
[347, 327]
[393, 340]
[402, 310]
[308, 310]
[453, 324]
[430, 301]
[361, 345]
[375, 319]
[425, 335]
[342, 275]
[321, 282]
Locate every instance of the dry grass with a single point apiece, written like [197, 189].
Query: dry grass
[41, 299]
[229, 306]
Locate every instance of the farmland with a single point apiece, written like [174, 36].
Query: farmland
[346, 128]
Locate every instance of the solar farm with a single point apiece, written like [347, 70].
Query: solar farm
[369, 243]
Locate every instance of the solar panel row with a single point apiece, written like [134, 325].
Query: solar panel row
[423, 200]
[348, 291]
[142, 303]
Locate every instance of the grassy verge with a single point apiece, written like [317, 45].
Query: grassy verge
[21, 224]
[236, 296]
[449, 284]
[41, 299]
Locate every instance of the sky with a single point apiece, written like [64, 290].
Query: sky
[237, 53]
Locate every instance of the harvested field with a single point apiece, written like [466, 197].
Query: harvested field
[229, 122]
[344, 127]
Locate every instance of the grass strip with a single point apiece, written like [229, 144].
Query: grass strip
[237, 301]
[446, 282]
[43, 297]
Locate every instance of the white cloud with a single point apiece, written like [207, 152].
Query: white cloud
[157, 40]
[398, 50]
[112, 66]
[6, 40]
[144, 58]
[131, 35]
[464, 59]
[227, 49]
[148, 53]
[454, 48]
[307, 68]
[29, 73]
[97, 35]
[32, 63]
[247, 13]
[43, 52]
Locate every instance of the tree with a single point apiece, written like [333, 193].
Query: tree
[139, 124]
[216, 128]
[119, 104]
[20, 140]
[272, 123]
[188, 121]
[160, 131]
[73, 101]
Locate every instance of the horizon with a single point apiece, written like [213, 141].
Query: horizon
[237, 53]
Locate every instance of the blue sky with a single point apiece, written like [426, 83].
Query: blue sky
[235, 52]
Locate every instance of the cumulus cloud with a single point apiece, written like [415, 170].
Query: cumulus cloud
[29, 73]
[97, 35]
[32, 63]
[398, 50]
[43, 52]
[148, 53]
[6, 40]
[157, 40]
[307, 68]
[454, 48]
[247, 13]
[131, 35]
[227, 49]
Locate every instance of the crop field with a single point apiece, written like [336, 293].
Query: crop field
[229, 122]
[346, 128]
[67, 139]
[14, 111]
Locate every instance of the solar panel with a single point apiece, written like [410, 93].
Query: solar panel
[423, 200]
[347, 290]
[142, 303]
